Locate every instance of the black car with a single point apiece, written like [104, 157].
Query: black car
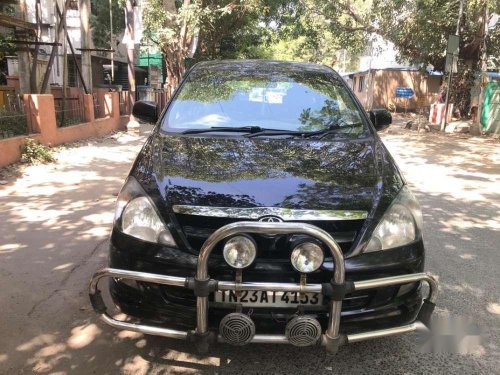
[264, 208]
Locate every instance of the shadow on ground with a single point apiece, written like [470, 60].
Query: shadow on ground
[54, 231]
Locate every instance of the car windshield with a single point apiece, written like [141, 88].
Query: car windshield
[289, 100]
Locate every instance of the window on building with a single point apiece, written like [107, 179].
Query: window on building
[361, 83]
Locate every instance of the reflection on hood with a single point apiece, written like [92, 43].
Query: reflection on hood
[240, 172]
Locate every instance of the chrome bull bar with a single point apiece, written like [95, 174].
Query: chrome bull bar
[202, 286]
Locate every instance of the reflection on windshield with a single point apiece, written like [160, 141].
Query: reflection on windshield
[285, 100]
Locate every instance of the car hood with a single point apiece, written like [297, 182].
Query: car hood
[266, 172]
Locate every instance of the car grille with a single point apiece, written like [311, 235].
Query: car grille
[197, 229]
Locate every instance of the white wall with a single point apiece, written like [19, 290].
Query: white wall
[383, 55]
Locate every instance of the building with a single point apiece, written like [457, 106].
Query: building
[380, 72]
[376, 88]
[102, 62]
[152, 63]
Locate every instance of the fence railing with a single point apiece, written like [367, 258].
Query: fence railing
[44, 121]
[159, 96]
[69, 110]
[13, 119]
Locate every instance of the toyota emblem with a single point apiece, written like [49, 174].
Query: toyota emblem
[271, 219]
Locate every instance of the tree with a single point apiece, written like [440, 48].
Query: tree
[311, 30]
[100, 22]
[315, 30]
[7, 48]
[172, 25]
[419, 30]
[279, 29]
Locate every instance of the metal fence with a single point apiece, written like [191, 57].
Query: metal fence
[159, 96]
[69, 110]
[13, 119]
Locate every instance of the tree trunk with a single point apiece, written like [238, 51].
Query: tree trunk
[463, 82]
[175, 52]
[174, 62]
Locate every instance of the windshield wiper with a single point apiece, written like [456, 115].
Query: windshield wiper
[333, 128]
[275, 132]
[213, 129]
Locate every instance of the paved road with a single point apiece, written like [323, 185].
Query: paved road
[54, 223]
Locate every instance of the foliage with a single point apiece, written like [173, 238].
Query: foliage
[100, 23]
[314, 31]
[12, 124]
[419, 30]
[7, 48]
[172, 25]
[34, 152]
[272, 29]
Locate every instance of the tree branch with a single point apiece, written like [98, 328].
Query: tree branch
[346, 9]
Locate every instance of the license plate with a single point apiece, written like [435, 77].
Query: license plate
[260, 298]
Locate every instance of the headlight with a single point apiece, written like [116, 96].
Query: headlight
[400, 225]
[140, 220]
[136, 215]
[239, 252]
[307, 257]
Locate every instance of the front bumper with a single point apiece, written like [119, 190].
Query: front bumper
[203, 286]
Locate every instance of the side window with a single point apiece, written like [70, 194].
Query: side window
[361, 83]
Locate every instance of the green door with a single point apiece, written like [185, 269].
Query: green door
[490, 118]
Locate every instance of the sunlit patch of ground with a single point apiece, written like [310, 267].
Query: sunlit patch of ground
[83, 335]
[493, 308]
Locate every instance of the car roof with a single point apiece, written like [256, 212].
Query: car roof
[262, 65]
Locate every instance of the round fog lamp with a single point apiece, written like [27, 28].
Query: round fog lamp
[239, 252]
[307, 257]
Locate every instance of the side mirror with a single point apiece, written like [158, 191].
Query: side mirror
[145, 111]
[380, 118]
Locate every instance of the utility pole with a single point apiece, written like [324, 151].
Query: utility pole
[368, 84]
[450, 73]
[65, 83]
[23, 57]
[484, 68]
[34, 65]
[129, 23]
[111, 45]
[84, 7]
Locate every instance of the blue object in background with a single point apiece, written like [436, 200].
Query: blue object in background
[404, 92]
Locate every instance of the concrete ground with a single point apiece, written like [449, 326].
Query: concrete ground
[54, 224]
